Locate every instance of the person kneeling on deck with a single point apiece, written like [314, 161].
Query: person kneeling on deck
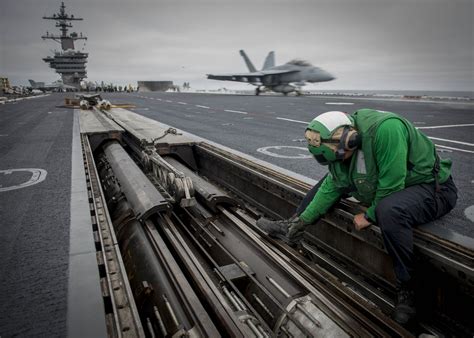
[389, 166]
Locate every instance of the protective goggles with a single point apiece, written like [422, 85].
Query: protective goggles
[324, 151]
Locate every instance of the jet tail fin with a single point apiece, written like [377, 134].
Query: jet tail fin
[32, 83]
[269, 61]
[249, 63]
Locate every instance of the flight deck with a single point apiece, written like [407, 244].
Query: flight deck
[68, 177]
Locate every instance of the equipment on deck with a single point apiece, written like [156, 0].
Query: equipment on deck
[198, 264]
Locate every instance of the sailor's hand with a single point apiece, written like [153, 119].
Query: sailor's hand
[360, 222]
[295, 230]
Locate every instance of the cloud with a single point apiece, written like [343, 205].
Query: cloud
[425, 44]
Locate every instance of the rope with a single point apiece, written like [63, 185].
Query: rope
[170, 130]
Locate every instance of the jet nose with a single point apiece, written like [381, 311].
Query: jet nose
[328, 76]
[321, 75]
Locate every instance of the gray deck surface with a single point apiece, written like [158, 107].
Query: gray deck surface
[49, 279]
[34, 221]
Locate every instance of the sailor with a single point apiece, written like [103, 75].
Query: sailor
[383, 161]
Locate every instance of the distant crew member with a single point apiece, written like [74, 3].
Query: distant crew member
[383, 161]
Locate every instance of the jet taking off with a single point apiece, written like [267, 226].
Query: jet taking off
[285, 79]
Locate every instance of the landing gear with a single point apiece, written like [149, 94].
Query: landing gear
[257, 91]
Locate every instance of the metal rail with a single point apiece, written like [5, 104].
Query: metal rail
[166, 301]
[122, 315]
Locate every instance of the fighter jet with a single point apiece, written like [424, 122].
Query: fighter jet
[55, 86]
[285, 79]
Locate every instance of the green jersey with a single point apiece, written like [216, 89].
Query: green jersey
[393, 155]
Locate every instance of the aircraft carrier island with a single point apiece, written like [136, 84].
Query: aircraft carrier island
[142, 222]
[69, 63]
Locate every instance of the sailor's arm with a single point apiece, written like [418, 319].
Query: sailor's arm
[325, 197]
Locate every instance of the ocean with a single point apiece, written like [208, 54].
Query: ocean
[414, 93]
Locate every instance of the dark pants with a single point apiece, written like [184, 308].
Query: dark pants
[399, 212]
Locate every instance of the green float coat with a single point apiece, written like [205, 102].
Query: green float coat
[393, 155]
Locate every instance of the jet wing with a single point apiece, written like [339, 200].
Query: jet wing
[241, 77]
[248, 77]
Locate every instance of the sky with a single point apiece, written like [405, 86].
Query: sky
[366, 44]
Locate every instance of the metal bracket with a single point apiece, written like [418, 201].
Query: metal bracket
[178, 185]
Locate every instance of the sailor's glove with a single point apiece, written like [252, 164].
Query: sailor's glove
[295, 230]
[289, 230]
[273, 228]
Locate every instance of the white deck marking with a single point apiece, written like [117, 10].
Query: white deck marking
[469, 212]
[290, 120]
[340, 103]
[168, 101]
[182, 102]
[205, 107]
[236, 111]
[462, 150]
[266, 151]
[451, 141]
[159, 99]
[448, 126]
[394, 99]
[37, 176]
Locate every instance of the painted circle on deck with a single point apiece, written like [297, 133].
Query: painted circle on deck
[469, 212]
[37, 176]
[285, 152]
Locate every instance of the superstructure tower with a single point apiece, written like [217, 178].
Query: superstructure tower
[69, 63]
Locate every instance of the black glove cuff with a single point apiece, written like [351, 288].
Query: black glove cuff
[367, 217]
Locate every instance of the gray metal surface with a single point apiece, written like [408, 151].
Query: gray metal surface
[212, 195]
[122, 315]
[140, 192]
[166, 301]
[85, 311]
[145, 129]
[94, 122]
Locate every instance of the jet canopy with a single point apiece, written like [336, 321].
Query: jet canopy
[299, 62]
